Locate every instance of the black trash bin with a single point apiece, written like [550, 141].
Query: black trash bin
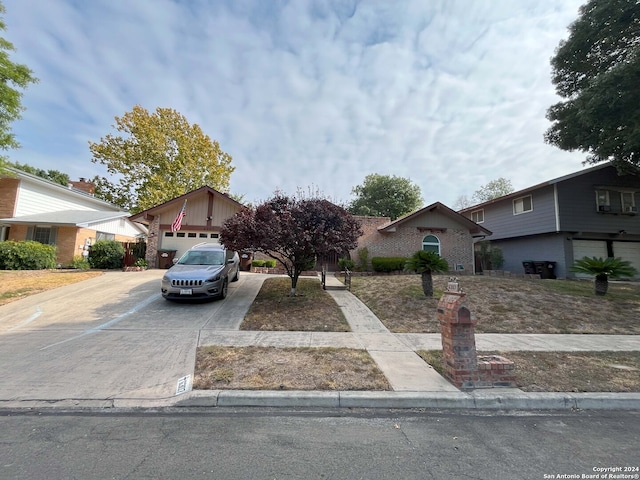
[548, 270]
[165, 257]
[529, 267]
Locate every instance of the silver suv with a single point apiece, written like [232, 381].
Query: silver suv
[204, 271]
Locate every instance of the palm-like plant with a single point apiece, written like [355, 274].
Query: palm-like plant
[602, 269]
[426, 263]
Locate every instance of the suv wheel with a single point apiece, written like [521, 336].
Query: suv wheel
[225, 288]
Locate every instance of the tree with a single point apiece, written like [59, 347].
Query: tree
[385, 196]
[494, 189]
[52, 175]
[426, 263]
[597, 72]
[462, 202]
[293, 231]
[13, 78]
[159, 157]
[603, 269]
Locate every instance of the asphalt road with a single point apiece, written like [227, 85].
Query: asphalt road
[330, 444]
[110, 337]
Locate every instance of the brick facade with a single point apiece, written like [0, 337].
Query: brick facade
[403, 237]
[8, 196]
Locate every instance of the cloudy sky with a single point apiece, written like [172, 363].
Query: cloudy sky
[304, 93]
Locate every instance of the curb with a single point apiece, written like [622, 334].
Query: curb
[435, 400]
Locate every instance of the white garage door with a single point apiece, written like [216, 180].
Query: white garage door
[588, 248]
[628, 251]
[184, 240]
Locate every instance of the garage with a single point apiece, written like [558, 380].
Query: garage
[183, 240]
[588, 248]
[628, 251]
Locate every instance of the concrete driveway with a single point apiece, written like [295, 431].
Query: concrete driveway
[110, 337]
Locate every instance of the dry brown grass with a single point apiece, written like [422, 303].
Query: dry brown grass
[17, 284]
[312, 309]
[505, 305]
[268, 368]
[566, 371]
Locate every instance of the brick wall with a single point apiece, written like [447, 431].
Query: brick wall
[455, 244]
[8, 196]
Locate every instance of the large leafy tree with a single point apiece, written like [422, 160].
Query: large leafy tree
[385, 196]
[14, 77]
[294, 231]
[157, 156]
[494, 189]
[597, 72]
[52, 175]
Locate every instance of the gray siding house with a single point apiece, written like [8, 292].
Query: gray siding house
[593, 212]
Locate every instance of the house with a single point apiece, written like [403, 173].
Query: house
[33, 208]
[435, 228]
[205, 210]
[592, 212]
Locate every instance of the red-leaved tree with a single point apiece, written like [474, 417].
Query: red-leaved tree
[293, 231]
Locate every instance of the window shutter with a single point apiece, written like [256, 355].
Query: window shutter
[29, 233]
[53, 236]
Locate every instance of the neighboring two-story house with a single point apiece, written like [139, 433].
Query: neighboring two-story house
[33, 208]
[593, 212]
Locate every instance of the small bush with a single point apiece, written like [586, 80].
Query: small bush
[346, 264]
[79, 263]
[106, 254]
[388, 264]
[363, 259]
[270, 263]
[258, 263]
[141, 262]
[27, 255]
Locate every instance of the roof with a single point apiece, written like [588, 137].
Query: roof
[538, 186]
[62, 188]
[77, 218]
[147, 215]
[472, 226]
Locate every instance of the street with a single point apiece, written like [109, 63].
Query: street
[316, 444]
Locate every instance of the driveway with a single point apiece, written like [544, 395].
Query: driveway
[110, 337]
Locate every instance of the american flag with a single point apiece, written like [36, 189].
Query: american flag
[177, 223]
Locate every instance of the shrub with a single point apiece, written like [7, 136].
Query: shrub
[27, 255]
[141, 262]
[388, 264]
[363, 259]
[270, 263]
[258, 263]
[346, 264]
[79, 263]
[106, 254]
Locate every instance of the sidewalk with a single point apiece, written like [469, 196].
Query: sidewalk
[415, 384]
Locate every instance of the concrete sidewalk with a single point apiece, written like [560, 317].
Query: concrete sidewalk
[415, 383]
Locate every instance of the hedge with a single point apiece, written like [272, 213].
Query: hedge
[388, 264]
[28, 255]
[106, 254]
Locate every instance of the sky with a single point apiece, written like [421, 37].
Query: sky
[303, 94]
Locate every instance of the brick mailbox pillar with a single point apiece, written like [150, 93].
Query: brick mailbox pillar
[461, 365]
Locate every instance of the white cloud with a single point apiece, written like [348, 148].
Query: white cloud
[451, 94]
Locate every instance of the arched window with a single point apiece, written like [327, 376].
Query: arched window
[430, 243]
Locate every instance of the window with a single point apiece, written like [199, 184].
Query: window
[180, 234]
[602, 201]
[45, 235]
[168, 234]
[477, 216]
[628, 202]
[522, 205]
[202, 235]
[191, 235]
[214, 235]
[105, 236]
[430, 243]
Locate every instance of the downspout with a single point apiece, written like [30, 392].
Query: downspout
[556, 206]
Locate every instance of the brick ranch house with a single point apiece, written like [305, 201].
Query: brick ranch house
[69, 217]
[435, 228]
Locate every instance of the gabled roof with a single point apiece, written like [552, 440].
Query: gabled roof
[524, 191]
[147, 215]
[472, 226]
[67, 190]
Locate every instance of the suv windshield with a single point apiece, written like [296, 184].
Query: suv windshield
[194, 257]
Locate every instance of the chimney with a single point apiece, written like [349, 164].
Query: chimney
[84, 185]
